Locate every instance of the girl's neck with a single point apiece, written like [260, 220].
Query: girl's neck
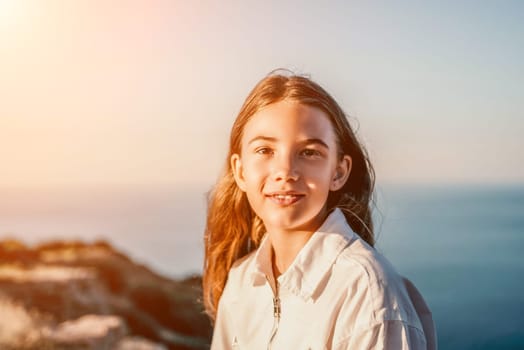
[287, 244]
[285, 248]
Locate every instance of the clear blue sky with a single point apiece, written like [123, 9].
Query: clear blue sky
[144, 92]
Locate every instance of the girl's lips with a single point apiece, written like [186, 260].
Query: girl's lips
[285, 199]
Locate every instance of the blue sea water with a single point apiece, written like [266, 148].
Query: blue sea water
[462, 246]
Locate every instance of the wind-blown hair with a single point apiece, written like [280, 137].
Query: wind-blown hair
[233, 229]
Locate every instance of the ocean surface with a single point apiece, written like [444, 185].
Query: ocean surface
[462, 246]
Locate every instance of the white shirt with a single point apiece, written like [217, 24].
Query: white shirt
[339, 293]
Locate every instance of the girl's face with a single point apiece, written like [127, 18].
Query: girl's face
[288, 164]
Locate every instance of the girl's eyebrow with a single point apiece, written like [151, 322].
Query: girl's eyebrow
[316, 141]
[262, 138]
[311, 141]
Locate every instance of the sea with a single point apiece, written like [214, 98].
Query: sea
[461, 245]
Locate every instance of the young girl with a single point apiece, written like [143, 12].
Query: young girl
[289, 261]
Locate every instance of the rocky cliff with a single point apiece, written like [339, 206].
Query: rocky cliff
[73, 295]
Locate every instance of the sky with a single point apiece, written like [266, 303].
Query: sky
[119, 93]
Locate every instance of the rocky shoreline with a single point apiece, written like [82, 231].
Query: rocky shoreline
[75, 295]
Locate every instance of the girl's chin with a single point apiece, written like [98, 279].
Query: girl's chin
[283, 223]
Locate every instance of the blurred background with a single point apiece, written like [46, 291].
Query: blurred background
[115, 116]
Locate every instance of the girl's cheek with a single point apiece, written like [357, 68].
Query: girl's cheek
[316, 169]
[255, 169]
[260, 164]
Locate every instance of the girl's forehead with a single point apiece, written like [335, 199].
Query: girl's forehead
[287, 118]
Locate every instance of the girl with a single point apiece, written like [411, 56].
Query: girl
[289, 260]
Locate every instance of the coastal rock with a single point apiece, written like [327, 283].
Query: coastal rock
[19, 327]
[137, 343]
[72, 284]
[88, 332]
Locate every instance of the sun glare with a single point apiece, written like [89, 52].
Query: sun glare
[9, 11]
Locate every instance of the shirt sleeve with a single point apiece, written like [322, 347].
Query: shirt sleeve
[386, 335]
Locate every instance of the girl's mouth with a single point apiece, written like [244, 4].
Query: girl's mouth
[285, 199]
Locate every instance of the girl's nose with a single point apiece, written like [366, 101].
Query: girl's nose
[285, 169]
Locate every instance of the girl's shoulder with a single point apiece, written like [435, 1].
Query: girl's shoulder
[387, 294]
[366, 262]
[243, 265]
[384, 294]
[240, 273]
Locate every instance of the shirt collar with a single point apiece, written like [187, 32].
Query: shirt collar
[314, 260]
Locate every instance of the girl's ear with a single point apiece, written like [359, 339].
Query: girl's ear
[238, 171]
[341, 174]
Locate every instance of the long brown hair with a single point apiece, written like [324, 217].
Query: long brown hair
[233, 229]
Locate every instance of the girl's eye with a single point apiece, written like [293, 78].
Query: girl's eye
[264, 150]
[310, 153]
